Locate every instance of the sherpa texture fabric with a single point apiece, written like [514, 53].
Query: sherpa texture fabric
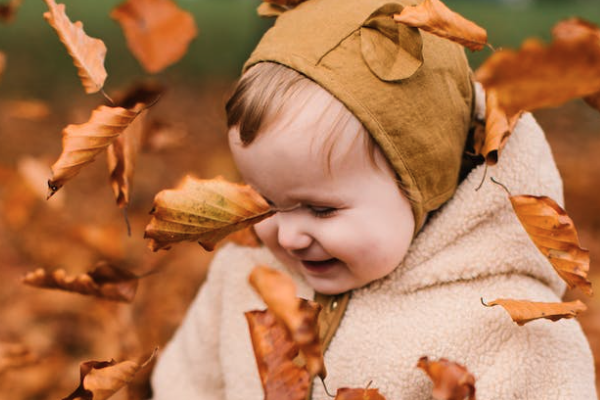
[410, 89]
[472, 248]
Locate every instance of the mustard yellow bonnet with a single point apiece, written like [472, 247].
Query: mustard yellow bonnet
[411, 90]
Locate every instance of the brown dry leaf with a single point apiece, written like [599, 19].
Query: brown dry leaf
[105, 281]
[158, 32]
[451, 381]
[554, 234]
[99, 380]
[358, 394]
[498, 128]
[83, 142]
[122, 155]
[523, 311]
[2, 64]
[434, 17]
[274, 351]
[300, 316]
[203, 210]
[8, 11]
[15, 355]
[539, 76]
[88, 53]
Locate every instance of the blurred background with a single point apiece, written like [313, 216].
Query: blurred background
[44, 335]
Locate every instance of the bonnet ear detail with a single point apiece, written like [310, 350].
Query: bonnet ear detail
[392, 51]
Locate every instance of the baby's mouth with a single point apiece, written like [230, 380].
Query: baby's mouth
[319, 266]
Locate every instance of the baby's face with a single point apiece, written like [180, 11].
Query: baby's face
[344, 222]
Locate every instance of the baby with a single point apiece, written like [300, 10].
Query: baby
[354, 128]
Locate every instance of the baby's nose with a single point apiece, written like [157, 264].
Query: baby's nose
[291, 234]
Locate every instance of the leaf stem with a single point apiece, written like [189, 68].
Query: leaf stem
[126, 217]
[112, 102]
[482, 179]
[325, 387]
[500, 184]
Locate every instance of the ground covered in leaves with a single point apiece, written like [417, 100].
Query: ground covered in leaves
[45, 334]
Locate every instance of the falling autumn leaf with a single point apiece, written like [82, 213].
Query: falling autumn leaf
[99, 380]
[300, 316]
[2, 64]
[8, 10]
[498, 127]
[274, 351]
[523, 311]
[451, 381]
[434, 17]
[539, 76]
[203, 210]
[88, 53]
[83, 142]
[554, 234]
[105, 281]
[358, 394]
[158, 32]
[122, 155]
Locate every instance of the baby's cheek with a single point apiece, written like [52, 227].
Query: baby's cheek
[267, 232]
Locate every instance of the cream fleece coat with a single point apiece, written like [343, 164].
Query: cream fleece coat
[473, 248]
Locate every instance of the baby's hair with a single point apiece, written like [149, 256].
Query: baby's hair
[263, 92]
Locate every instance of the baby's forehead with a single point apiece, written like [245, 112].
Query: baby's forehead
[319, 127]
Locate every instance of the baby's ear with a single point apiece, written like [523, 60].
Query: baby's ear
[392, 51]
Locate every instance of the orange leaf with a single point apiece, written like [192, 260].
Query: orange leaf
[121, 156]
[498, 128]
[523, 311]
[105, 281]
[537, 76]
[554, 234]
[99, 380]
[205, 210]
[451, 381]
[9, 10]
[274, 351]
[87, 53]
[158, 32]
[122, 153]
[82, 143]
[434, 17]
[358, 394]
[299, 316]
[2, 64]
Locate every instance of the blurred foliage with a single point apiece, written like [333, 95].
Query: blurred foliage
[228, 31]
